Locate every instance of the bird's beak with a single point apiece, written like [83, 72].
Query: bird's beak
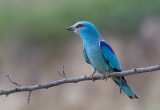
[70, 28]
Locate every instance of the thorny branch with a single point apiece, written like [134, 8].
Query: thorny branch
[65, 80]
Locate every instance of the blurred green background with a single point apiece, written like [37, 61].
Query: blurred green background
[34, 46]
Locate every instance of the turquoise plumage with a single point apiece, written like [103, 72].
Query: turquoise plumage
[109, 55]
[99, 54]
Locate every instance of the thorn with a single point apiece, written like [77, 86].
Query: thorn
[64, 75]
[16, 89]
[39, 85]
[135, 70]
[63, 69]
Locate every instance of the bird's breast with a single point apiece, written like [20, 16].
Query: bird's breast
[96, 58]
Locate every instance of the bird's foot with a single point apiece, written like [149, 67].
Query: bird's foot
[106, 76]
[92, 75]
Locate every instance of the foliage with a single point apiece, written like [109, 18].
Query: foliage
[47, 19]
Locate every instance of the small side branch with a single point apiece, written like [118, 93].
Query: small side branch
[29, 96]
[15, 83]
[63, 73]
[73, 80]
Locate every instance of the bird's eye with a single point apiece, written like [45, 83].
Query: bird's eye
[79, 26]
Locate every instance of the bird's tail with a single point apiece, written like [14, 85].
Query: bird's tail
[124, 86]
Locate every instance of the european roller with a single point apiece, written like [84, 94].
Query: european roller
[99, 54]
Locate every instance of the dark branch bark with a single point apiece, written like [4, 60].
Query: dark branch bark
[75, 80]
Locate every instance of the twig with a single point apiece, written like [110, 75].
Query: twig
[75, 80]
[29, 96]
[63, 73]
[15, 83]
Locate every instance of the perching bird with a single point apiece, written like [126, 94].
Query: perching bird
[99, 54]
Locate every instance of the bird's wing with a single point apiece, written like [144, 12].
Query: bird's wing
[86, 56]
[109, 55]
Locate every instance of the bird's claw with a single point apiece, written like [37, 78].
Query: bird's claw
[92, 75]
[106, 76]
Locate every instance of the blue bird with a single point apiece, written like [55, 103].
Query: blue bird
[99, 54]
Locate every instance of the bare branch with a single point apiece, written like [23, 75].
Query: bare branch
[136, 71]
[75, 80]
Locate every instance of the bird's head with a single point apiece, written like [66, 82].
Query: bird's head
[84, 29]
